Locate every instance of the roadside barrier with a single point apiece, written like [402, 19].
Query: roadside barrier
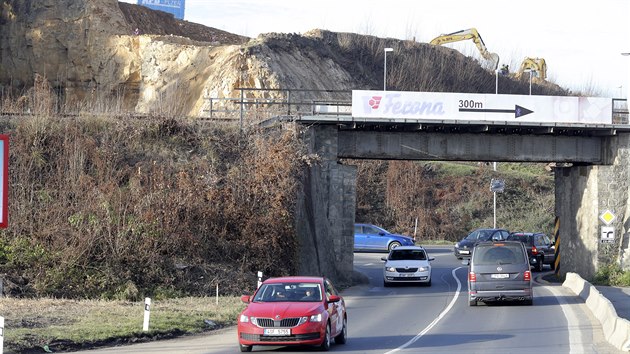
[147, 313]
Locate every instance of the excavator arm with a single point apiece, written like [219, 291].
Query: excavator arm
[463, 35]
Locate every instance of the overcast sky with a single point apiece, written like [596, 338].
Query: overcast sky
[581, 41]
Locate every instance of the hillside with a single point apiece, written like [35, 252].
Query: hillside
[108, 68]
[189, 206]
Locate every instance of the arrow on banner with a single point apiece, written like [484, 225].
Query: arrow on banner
[518, 110]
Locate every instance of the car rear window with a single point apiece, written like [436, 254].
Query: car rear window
[499, 254]
[399, 255]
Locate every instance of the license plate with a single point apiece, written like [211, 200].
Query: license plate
[499, 276]
[464, 252]
[407, 275]
[277, 331]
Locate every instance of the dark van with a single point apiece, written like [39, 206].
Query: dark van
[499, 271]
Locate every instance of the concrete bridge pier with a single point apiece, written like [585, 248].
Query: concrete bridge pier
[325, 209]
[582, 194]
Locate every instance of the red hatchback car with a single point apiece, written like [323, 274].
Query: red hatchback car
[293, 311]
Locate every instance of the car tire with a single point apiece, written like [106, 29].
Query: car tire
[245, 348]
[393, 245]
[553, 265]
[325, 346]
[386, 284]
[342, 337]
[529, 302]
[539, 265]
[472, 302]
[428, 283]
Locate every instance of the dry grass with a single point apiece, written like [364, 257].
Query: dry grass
[66, 324]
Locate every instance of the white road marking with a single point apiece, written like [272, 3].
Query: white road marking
[436, 320]
[575, 335]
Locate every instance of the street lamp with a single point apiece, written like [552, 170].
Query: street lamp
[530, 80]
[385, 68]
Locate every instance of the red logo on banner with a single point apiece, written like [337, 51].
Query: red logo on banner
[375, 101]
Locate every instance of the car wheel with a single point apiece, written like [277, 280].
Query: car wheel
[393, 245]
[529, 302]
[245, 348]
[539, 266]
[472, 302]
[428, 283]
[343, 336]
[325, 346]
[553, 264]
[386, 284]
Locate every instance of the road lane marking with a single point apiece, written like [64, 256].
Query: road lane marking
[436, 320]
[575, 336]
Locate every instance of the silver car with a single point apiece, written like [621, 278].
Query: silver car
[499, 271]
[407, 264]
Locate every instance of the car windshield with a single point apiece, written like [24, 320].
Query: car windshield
[288, 292]
[400, 255]
[505, 254]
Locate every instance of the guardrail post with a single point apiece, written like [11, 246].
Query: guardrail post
[1, 334]
[147, 312]
[242, 108]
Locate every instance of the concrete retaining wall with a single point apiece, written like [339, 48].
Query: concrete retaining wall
[616, 329]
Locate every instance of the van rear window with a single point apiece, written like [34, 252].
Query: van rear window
[499, 254]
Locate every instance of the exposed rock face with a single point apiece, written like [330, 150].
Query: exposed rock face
[94, 59]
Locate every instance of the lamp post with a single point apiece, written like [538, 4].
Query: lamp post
[385, 68]
[530, 79]
[628, 78]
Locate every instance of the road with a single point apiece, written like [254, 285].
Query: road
[435, 319]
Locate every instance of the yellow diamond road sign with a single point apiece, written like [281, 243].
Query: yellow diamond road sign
[607, 217]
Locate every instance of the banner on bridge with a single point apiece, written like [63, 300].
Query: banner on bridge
[406, 105]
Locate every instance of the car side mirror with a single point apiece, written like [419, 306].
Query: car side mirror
[431, 258]
[466, 262]
[245, 299]
[333, 298]
[383, 258]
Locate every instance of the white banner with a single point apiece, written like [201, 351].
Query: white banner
[480, 107]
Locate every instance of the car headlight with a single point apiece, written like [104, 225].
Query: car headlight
[316, 318]
[390, 269]
[243, 319]
[423, 269]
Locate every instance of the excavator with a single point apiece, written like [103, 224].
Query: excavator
[536, 65]
[463, 35]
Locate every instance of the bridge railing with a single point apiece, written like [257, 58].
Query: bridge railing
[259, 104]
[620, 111]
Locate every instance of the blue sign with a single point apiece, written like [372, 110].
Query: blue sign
[175, 7]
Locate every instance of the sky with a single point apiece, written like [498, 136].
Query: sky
[581, 41]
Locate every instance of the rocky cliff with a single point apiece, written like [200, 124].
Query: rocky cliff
[93, 57]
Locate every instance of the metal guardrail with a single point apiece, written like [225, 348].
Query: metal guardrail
[266, 103]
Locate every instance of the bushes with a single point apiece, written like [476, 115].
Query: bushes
[119, 209]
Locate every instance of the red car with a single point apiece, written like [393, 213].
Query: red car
[293, 311]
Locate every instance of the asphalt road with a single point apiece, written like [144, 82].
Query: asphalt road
[435, 319]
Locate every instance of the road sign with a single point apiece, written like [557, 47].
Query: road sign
[608, 234]
[407, 105]
[607, 217]
[497, 185]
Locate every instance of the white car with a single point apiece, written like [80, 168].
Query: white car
[407, 264]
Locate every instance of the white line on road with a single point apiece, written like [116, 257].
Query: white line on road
[575, 336]
[436, 320]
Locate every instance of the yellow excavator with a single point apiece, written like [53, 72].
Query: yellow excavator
[537, 65]
[463, 35]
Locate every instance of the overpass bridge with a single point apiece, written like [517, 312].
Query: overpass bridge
[588, 137]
